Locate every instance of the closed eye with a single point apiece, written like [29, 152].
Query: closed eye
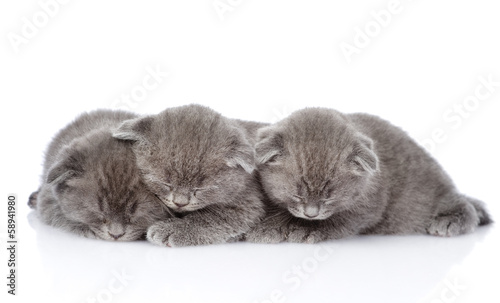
[328, 201]
[199, 190]
[297, 198]
[97, 220]
[273, 159]
[164, 188]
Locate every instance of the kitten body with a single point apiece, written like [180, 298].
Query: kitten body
[200, 164]
[91, 185]
[330, 175]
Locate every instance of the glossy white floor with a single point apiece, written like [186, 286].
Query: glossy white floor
[423, 65]
[65, 268]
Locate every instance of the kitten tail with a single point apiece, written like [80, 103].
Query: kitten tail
[482, 213]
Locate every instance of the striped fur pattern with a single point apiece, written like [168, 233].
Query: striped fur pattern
[91, 185]
[201, 165]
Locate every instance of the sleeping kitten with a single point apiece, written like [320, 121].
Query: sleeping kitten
[330, 175]
[91, 185]
[200, 165]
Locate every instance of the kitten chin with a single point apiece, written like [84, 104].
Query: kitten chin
[304, 211]
[200, 165]
[329, 175]
[91, 185]
[123, 233]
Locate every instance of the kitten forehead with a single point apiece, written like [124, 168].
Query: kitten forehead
[313, 186]
[114, 171]
[194, 126]
[317, 139]
[118, 181]
[316, 128]
[194, 141]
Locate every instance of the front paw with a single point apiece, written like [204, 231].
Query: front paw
[164, 233]
[262, 234]
[91, 235]
[305, 236]
[461, 220]
[178, 233]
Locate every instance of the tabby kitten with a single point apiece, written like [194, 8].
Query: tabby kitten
[330, 175]
[91, 185]
[200, 164]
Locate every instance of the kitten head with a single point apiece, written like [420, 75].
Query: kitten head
[314, 163]
[97, 183]
[190, 156]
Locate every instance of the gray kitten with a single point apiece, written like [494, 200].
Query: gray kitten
[91, 185]
[330, 175]
[200, 164]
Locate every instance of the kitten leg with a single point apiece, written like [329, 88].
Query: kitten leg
[294, 231]
[60, 221]
[50, 212]
[337, 226]
[213, 224]
[306, 234]
[272, 229]
[459, 218]
[284, 227]
[32, 200]
[484, 216]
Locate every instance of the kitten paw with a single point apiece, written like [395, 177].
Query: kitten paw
[304, 236]
[83, 231]
[160, 233]
[462, 220]
[178, 233]
[91, 235]
[265, 235]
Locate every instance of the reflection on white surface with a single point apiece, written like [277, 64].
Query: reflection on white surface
[361, 269]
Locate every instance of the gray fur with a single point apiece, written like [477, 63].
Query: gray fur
[200, 165]
[91, 185]
[250, 128]
[330, 175]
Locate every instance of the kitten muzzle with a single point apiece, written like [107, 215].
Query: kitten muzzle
[311, 210]
[180, 200]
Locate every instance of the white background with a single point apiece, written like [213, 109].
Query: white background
[258, 61]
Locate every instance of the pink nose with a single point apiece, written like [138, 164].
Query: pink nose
[180, 204]
[311, 210]
[180, 200]
[115, 236]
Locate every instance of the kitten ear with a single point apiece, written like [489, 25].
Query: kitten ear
[65, 169]
[365, 159]
[59, 173]
[134, 129]
[269, 144]
[244, 157]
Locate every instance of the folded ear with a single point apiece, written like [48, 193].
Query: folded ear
[134, 129]
[60, 173]
[269, 145]
[242, 156]
[70, 165]
[364, 158]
